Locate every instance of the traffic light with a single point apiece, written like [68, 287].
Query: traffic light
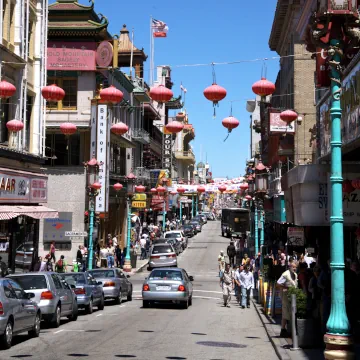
[86, 217]
[97, 218]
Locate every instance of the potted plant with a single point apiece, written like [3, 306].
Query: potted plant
[305, 325]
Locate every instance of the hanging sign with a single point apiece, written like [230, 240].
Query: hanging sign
[139, 197]
[104, 54]
[138, 204]
[296, 236]
[167, 151]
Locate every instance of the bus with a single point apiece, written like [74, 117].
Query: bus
[235, 222]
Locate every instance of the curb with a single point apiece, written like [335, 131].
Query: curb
[141, 268]
[277, 343]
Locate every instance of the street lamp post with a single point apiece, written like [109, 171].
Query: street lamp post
[93, 186]
[161, 190]
[130, 181]
[333, 25]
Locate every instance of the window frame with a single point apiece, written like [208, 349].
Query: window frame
[59, 82]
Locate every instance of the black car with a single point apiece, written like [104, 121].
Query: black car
[188, 230]
[199, 219]
[175, 244]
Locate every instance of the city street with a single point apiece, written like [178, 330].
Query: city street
[205, 331]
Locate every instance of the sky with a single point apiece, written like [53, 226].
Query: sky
[204, 32]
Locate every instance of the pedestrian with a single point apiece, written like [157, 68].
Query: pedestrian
[114, 241]
[52, 252]
[124, 252]
[257, 269]
[221, 261]
[237, 283]
[143, 246]
[3, 268]
[231, 252]
[110, 256]
[118, 256]
[79, 255]
[287, 280]
[147, 247]
[247, 283]
[60, 266]
[183, 219]
[37, 264]
[244, 260]
[49, 264]
[227, 284]
[43, 265]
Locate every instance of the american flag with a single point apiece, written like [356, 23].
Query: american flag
[159, 25]
[183, 89]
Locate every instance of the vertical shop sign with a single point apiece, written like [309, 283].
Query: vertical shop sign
[93, 131]
[101, 150]
[167, 151]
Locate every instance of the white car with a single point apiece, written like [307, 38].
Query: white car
[178, 235]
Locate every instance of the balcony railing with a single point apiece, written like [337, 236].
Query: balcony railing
[142, 174]
[141, 136]
[185, 155]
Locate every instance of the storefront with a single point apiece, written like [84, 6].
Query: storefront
[21, 197]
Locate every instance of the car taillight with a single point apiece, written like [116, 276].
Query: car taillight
[109, 283]
[146, 287]
[1, 309]
[171, 255]
[154, 257]
[181, 288]
[79, 291]
[46, 295]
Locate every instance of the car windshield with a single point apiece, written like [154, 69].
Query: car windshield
[28, 247]
[33, 282]
[99, 274]
[166, 275]
[187, 227]
[161, 249]
[194, 223]
[172, 235]
[74, 279]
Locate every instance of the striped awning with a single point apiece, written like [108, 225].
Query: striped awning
[8, 212]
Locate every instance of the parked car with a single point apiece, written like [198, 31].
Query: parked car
[24, 253]
[176, 245]
[209, 215]
[197, 225]
[193, 226]
[168, 285]
[162, 255]
[203, 217]
[18, 312]
[89, 292]
[178, 235]
[53, 295]
[188, 230]
[115, 284]
[199, 218]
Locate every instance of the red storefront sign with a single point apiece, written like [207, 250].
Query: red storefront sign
[157, 203]
[73, 55]
[322, 68]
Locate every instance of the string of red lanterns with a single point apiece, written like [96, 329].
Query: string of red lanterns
[119, 128]
[15, 125]
[111, 95]
[288, 116]
[7, 89]
[68, 128]
[53, 93]
[174, 127]
[161, 94]
[215, 93]
[263, 87]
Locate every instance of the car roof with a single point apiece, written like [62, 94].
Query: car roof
[33, 273]
[168, 268]
[172, 232]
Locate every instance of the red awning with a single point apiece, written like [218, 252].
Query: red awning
[36, 212]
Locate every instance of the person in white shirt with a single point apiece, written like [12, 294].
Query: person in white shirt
[143, 246]
[115, 241]
[247, 283]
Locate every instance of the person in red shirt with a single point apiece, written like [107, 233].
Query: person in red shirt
[52, 252]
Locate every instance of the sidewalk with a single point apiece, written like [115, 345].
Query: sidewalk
[140, 266]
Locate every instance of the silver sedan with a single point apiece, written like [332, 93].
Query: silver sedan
[168, 285]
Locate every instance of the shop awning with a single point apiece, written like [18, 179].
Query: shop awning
[8, 212]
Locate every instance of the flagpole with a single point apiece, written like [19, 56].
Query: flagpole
[152, 56]
[151, 45]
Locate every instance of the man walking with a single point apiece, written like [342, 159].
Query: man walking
[143, 246]
[227, 284]
[237, 283]
[231, 251]
[247, 283]
[221, 261]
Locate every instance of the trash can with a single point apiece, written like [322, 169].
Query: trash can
[133, 258]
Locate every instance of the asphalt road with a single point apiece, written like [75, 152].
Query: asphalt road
[205, 331]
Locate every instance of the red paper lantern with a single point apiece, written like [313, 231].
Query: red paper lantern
[160, 189]
[161, 94]
[111, 95]
[117, 187]
[263, 87]
[174, 127]
[248, 197]
[244, 186]
[181, 190]
[15, 125]
[140, 189]
[119, 128]
[222, 188]
[215, 93]
[68, 128]
[260, 166]
[200, 189]
[6, 89]
[230, 123]
[347, 187]
[96, 186]
[153, 191]
[288, 116]
[53, 93]
[356, 184]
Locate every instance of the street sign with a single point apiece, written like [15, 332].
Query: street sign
[139, 204]
[76, 233]
[139, 197]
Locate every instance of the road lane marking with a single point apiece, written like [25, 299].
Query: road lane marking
[98, 315]
[59, 331]
[121, 306]
[205, 297]
[208, 291]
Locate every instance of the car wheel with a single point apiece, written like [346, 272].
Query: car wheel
[129, 297]
[118, 299]
[101, 304]
[146, 304]
[185, 304]
[90, 307]
[222, 234]
[190, 300]
[35, 332]
[75, 312]
[55, 321]
[6, 337]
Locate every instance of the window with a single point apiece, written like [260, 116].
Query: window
[62, 150]
[8, 291]
[162, 249]
[57, 281]
[20, 293]
[34, 282]
[31, 40]
[174, 275]
[99, 274]
[70, 86]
